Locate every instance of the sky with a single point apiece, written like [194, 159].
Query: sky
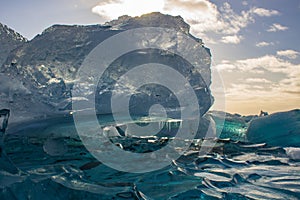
[255, 44]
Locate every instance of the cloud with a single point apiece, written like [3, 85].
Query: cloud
[263, 64]
[203, 15]
[264, 12]
[264, 44]
[280, 79]
[268, 95]
[232, 39]
[112, 9]
[288, 53]
[225, 67]
[232, 21]
[244, 3]
[291, 85]
[188, 5]
[246, 91]
[257, 80]
[277, 27]
[270, 63]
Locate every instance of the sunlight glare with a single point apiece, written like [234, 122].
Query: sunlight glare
[129, 7]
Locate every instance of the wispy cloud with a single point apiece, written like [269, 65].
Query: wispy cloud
[225, 67]
[244, 3]
[246, 91]
[264, 85]
[264, 44]
[270, 63]
[257, 80]
[232, 39]
[277, 27]
[292, 54]
[264, 12]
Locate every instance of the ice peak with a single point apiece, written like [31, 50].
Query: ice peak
[154, 19]
[5, 30]
[9, 40]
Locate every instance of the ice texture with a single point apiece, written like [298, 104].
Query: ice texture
[293, 152]
[279, 129]
[232, 170]
[9, 40]
[43, 70]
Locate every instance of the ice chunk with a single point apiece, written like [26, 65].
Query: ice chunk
[279, 129]
[111, 131]
[5, 162]
[4, 115]
[55, 147]
[7, 179]
[293, 153]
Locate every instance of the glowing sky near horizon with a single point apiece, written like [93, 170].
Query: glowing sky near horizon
[255, 44]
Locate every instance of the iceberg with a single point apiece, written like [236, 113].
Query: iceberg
[44, 69]
[278, 129]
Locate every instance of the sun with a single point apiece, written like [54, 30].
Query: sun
[129, 7]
